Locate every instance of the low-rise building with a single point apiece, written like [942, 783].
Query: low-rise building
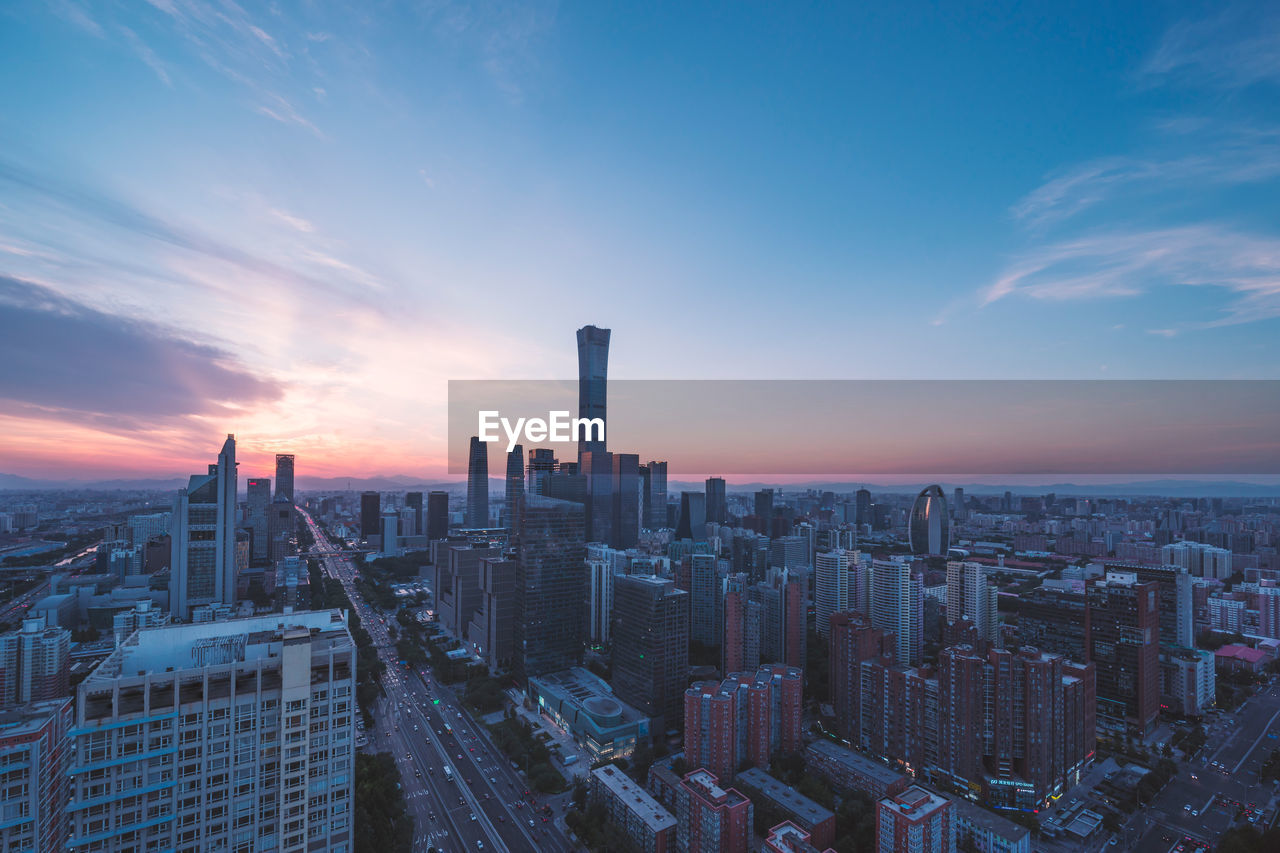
[764, 790]
[584, 705]
[846, 770]
[988, 832]
[786, 837]
[649, 826]
[916, 820]
[712, 819]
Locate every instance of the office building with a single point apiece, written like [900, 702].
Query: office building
[929, 527]
[655, 496]
[593, 379]
[862, 506]
[514, 485]
[646, 824]
[413, 503]
[370, 515]
[958, 507]
[704, 587]
[284, 476]
[490, 633]
[203, 537]
[550, 586]
[34, 663]
[389, 534]
[582, 704]
[477, 515]
[651, 647]
[692, 523]
[280, 531]
[1124, 646]
[764, 508]
[34, 758]
[711, 819]
[599, 601]
[456, 580]
[915, 821]
[242, 732]
[259, 505]
[897, 606]
[437, 515]
[716, 504]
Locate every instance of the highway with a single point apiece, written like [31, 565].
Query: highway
[485, 806]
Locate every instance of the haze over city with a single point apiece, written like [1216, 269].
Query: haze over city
[295, 224]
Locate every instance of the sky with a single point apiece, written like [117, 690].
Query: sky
[298, 222]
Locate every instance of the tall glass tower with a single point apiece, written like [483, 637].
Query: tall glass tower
[930, 527]
[593, 375]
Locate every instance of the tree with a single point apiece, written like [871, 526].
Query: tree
[380, 813]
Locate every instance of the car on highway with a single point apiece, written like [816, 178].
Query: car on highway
[473, 815]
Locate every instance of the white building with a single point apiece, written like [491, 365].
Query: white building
[1202, 561]
[235, 736]
[830, 587]
[971, 597]
[202, 555]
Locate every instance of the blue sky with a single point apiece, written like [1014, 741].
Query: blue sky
[296, 222]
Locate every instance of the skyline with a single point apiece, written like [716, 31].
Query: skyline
[298, 225]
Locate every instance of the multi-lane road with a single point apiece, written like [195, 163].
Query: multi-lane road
[484, 805]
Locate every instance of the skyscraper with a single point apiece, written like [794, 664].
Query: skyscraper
[704, 584]
[1124, 645]
[655, 496]
[958, 504]
[717, 508]
[259, 720]
[437, 515]
[478, 484]
[370, 514]
[651, 647]
[693, 516]
[929, 527]
[259, 506]
[514, 484]
[413, 502]
[764, 508]
[550, 589]
[862, 506]
[593, 377]
[203, 537]
[284, 475]
[625, 521]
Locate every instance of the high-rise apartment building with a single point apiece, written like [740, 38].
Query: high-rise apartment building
[1177, 604]
[746, 716]
[972, 598]
[437, 515]
[711, 819]
[958, 506]
[915, 821]
[229, 735]
[477, 484]
[203, 537]
[593, 383]
[1201, 560]
[34, 759]
[651, 647]
[897, 606]
[370, 514]
[284, 476]
[600, 597]
[852, 640]
[830, 586]
[550, 586]
[929, 526]
[34, 663]
[740, 636]
[704, 579]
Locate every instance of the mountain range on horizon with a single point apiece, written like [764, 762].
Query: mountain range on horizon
[402, 482]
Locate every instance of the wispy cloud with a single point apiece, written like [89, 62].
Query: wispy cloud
[1240, 154]
[297, 223]
[147, 55]
[1111, 265]
[282, 111]
[506, 36]
[75, 14]
[1239, 46]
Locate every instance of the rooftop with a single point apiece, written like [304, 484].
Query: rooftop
[914, 803]
[1243, 653]
[192, 646]
[784, 795]
[977, 816]
[858, 763]
[636, 798]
